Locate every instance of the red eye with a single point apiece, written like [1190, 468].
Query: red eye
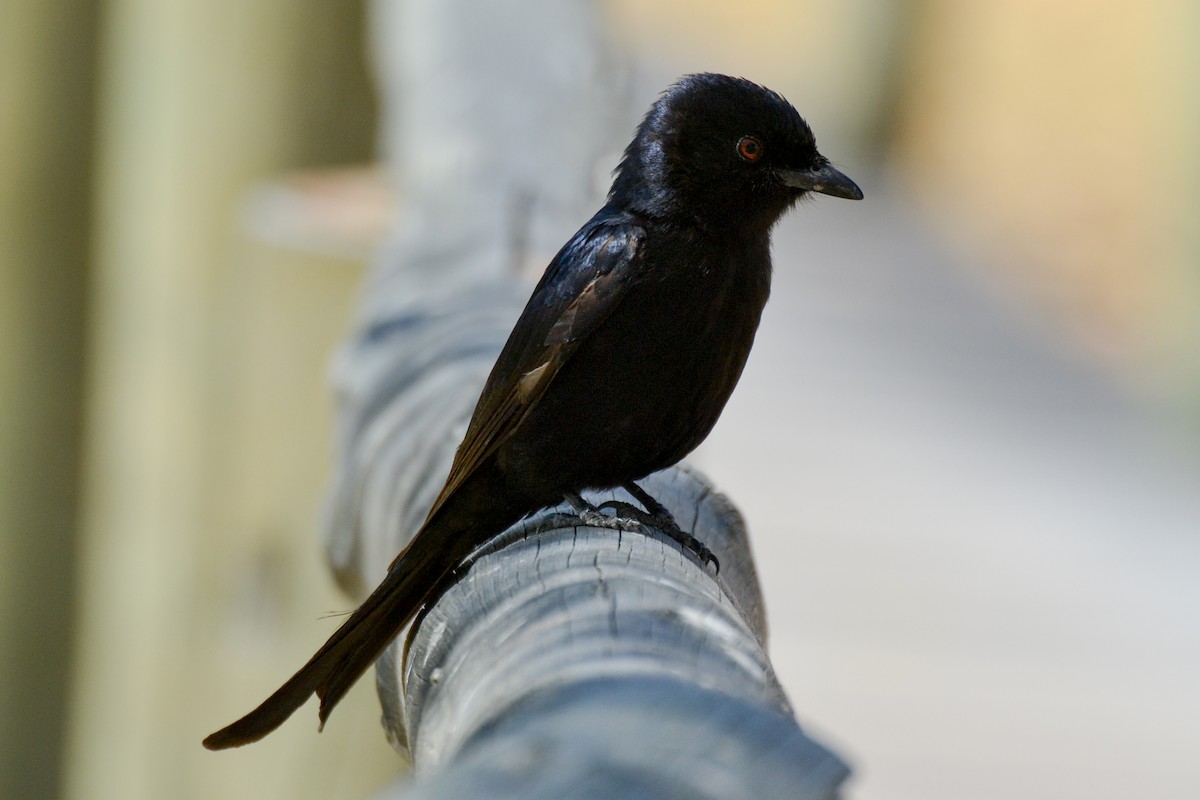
[749, 148]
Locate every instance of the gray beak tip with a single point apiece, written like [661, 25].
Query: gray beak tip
[824, 180]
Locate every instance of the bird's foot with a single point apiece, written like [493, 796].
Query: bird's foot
[594, 517]
[628, 517]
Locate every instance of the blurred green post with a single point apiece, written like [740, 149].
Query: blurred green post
[47, 62]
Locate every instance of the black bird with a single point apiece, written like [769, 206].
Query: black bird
[621, 361]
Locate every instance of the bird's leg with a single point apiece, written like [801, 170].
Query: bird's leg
[655, 508]
[662, 519]
[632, 518]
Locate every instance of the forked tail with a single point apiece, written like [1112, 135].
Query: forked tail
[354, 646]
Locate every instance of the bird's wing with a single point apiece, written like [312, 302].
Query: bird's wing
[579, 290]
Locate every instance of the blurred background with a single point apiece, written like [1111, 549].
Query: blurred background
[966, 443]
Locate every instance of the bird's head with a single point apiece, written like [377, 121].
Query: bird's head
[716, 149]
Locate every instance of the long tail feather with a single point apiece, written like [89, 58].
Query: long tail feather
[360, 640]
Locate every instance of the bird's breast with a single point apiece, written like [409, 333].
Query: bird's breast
[647, 386]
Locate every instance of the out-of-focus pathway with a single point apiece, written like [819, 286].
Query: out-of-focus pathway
[981, 562]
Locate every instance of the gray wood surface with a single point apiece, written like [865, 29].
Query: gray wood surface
[564, 654]
[604, 663]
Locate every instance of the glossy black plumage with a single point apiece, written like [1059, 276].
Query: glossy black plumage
[622, 360]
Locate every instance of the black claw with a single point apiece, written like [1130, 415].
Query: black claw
[629, 517]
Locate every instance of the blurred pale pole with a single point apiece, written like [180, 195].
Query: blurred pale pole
[197, 101]
[1182, 329]
[47, 61]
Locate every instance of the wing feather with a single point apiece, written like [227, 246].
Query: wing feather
[579, 290]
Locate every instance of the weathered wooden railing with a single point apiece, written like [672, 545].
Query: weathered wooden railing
[565, 660]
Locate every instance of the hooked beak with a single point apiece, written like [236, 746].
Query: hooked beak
[824, 179]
